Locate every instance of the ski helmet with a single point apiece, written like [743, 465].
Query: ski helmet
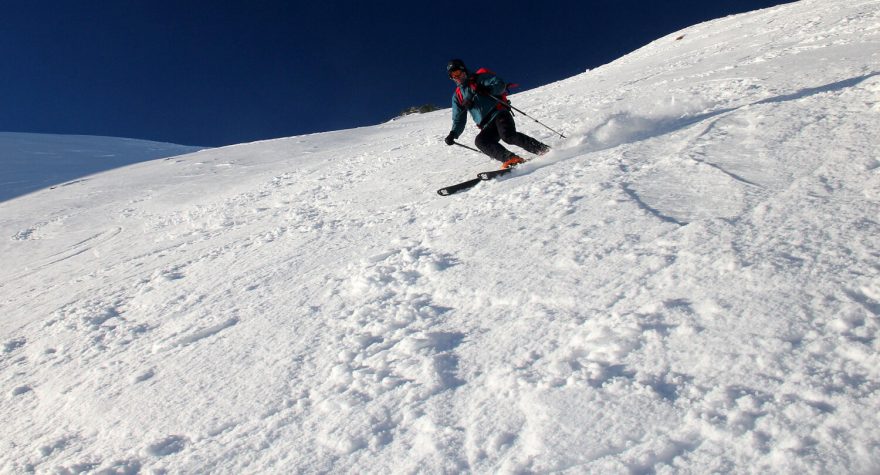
[455, 65]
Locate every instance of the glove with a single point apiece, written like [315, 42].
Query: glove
[450, 139]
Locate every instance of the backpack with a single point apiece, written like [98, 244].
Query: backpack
[472, 83]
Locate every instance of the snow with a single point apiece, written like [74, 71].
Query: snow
[31, 162]
[689, 283]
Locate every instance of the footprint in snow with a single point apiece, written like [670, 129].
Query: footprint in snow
[24, 235]
[11, 345]
[18, 391]
[122, 467]
[143, 376]
[168, 446]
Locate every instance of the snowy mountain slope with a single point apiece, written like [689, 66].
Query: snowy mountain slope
[34, 161]
[690, 283]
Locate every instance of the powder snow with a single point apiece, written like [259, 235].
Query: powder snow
[689, 283]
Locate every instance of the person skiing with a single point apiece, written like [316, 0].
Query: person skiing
[474, 93]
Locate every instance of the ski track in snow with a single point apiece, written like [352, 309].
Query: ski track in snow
[689, 283]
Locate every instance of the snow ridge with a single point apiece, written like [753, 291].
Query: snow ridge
[35, 161]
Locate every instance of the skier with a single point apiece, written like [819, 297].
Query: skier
[492, 117]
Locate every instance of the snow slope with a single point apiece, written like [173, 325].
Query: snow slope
[29, 162]
[690, 283]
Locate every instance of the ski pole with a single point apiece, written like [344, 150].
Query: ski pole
[465, 146]
[508, 104]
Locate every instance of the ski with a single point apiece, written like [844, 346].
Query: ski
[465, 185]
[458, 187]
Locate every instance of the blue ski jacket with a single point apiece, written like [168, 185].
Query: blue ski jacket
[473, 96]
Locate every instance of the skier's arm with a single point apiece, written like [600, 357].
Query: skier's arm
[492, 84]
[459, 118]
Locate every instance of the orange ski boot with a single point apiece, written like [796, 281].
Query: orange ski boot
[512, 161]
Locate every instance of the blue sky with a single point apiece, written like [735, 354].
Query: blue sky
[221, 72]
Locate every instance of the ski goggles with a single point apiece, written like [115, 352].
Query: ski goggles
[457, 74]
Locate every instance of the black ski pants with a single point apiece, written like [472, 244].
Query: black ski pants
[503, 128]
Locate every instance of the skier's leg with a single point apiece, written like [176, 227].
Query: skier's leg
[507, 131]
[487, 142]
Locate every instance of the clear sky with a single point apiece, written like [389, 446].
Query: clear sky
[221, 72]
